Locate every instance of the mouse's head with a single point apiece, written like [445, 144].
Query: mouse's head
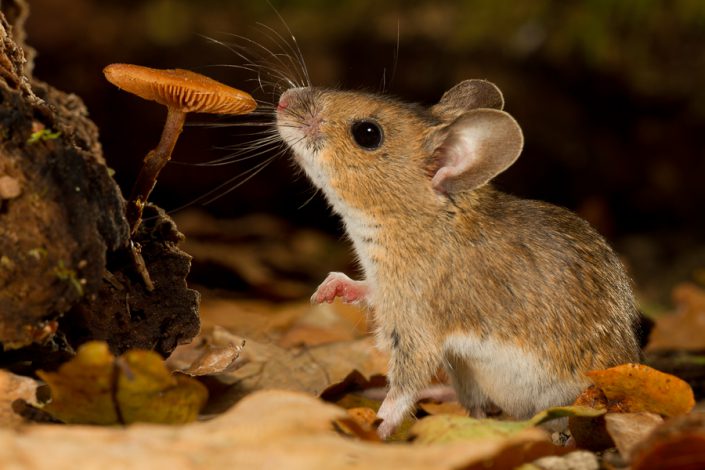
[372, 154]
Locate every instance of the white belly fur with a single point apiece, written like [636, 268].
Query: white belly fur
[512, 378]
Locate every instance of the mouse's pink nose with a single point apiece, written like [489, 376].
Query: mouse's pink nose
[283, 104]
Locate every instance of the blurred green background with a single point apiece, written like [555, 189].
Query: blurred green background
[609, 93]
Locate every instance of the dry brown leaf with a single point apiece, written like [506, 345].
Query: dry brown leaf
[641, 388]
[252, 320]
[15, 387]
[309, 335]
[352, 383]
[677, 444]
[211, 353]
[326, 323]
[308, 370]
[629, 388]
[268, 429]
[684, 328]
[628, 429]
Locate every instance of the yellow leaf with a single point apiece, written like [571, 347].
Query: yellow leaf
[452, 428]
[148, 392]
[82, 388]
[641, 388]
[96, 388]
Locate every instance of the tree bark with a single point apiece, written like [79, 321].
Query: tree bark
[66, 274]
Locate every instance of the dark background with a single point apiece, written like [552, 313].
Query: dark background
[610, 96]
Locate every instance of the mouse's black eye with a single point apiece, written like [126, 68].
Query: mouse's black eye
[367, 134]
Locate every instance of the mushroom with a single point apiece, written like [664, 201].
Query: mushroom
[181, 91]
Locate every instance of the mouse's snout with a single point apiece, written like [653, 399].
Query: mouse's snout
[298, 116]
[291, 97]
[283, 103]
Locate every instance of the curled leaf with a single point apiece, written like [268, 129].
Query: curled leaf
[558, 412]
[641, 388]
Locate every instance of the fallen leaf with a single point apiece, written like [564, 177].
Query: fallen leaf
[628, 429]
[685, 328]
[362, 415]
[353, 382]
[96, 388]
[15, 387]
[309, 369]
[253, 320]
[557, 412]
[576, 460]
[213, 353]
[449, 428]
[326, 323]
[678, 443]
[147, 392]
[629, 388]
[588, 432]
[641, 388]
[308, 335]
[82, 388]
[268, 429]
[360, 423]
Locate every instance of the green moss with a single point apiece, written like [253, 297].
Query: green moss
[37, 253]
[6, 263]
[69, 275]
[43, 135]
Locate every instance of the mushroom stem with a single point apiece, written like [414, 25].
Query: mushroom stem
[152, 165]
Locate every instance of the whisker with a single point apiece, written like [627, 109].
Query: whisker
[254, 171]
[316, 190]
[276, 57]
[254, 67]
[298, 49]
[279, 40]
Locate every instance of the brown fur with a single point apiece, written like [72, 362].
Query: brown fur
[475, 261]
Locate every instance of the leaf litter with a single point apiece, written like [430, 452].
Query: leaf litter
[270, 360]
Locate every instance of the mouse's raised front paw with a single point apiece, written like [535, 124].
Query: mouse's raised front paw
[340, 285]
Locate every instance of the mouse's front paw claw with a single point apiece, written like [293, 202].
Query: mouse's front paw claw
[340, 285]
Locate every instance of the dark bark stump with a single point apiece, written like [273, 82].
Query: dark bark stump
[65, 271]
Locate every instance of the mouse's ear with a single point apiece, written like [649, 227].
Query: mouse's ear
[476, 147]
[468, 95]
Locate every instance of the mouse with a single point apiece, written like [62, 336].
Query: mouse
[515, 298]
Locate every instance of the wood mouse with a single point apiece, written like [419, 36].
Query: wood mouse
[515, 298]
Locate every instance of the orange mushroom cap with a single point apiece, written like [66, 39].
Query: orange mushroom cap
[182, 89]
